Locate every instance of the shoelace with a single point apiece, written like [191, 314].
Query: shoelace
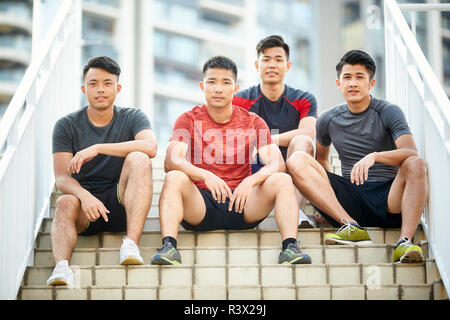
[346, 225]
[295, 245]
[406, 241]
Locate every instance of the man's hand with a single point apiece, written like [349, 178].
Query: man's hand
[93, 208]
[241, 195]
[360, 171]
[219, 189]
[81, 157]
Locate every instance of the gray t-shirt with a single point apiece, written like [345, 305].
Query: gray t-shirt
[76, 132]
[356, 135]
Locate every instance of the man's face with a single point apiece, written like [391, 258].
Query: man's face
[355, 83]
[218, 87]
[273, 65]
[100, 88]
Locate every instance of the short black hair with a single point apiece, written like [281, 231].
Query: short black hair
[220, 62]
[105, 63]
[354, 57]
[272, 42]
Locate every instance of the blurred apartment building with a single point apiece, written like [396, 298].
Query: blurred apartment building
[161, 45]
[15, 46]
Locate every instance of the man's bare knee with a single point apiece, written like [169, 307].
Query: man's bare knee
[414, 167]
[298, 162]
[279, 181]
[67, 207]
[302, 143]
[67, 202]
[138, 160]
[176, 179]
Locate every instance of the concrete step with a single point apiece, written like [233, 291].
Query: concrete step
[163, 287]
[242, 274]
[245, 275]
[230, 292]
[227, 239]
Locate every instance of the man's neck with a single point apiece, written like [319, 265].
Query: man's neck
[272, 91]
[220, 115]
[100, 117]
[359, 106]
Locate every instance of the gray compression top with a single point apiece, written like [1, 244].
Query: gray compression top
[356, 135]
[75, 132]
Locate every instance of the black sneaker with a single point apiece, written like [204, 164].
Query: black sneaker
[293, 255]
[167, 255]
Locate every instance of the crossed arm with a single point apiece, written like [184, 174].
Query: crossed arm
[306, 126]
[360, 171]
[269, 154]
[65, 163]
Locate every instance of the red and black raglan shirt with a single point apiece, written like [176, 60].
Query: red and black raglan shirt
[225, 149]
[282, 115]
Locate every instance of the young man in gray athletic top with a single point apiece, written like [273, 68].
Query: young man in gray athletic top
[384, 183]
[101, 159]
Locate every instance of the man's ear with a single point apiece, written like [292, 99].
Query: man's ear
[119, 87]
[236, 88]
[338, 83]
[201, 85]
[289, 64]
[83, 89]
[256, 65]
[372, 84]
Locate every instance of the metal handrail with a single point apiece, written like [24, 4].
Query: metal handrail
[412, 84]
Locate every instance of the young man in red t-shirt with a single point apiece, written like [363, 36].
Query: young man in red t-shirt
[209, 184]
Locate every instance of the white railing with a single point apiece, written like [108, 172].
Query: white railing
[49, 89]
[412, 84]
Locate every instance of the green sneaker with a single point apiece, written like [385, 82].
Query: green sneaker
[293, 255]
[167, 255]
[348, 234]
[406, 252]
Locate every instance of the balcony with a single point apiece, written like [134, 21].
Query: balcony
[16, 14]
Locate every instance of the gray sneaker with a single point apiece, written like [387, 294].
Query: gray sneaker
[167, 255]
[293, 255]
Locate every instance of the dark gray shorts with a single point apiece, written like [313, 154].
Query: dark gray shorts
[217, 216]
[366, 203]
[117, 218]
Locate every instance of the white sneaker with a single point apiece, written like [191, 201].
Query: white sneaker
[304, 221]
[62, 275]
[129, 253]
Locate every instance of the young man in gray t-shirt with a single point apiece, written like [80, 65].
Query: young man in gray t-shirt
[101, 158]
[383, 183]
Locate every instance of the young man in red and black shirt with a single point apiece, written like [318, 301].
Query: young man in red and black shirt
[209, 184]
[290, 113]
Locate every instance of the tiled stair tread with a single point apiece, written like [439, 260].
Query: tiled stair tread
[230, 238]
[250, 292]
[251, 255]
[339, 274]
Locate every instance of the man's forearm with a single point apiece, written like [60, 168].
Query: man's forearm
[122, 149]
[283, 139]
[181, 164]
[394, 157]
[69, 185]
[259, 177]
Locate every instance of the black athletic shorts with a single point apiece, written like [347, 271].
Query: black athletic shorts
[366, 203]
[217, 216]
[117, 218]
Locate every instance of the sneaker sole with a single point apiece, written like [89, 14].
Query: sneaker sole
[299, 260]
[131, 261]
[164, 261]
[305, 225]
[57, 282]
[412, 256]
[355, 243]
